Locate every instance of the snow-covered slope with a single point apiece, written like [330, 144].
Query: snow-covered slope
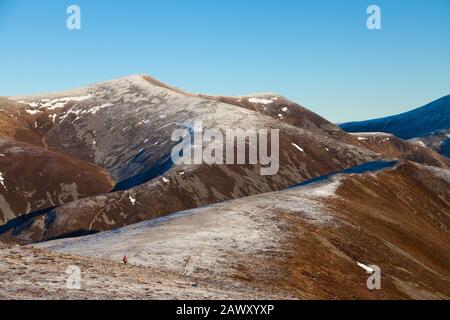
[303, 241]
[98, 158]
[124, 126]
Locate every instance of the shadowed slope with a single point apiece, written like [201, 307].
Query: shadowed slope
[429, 125]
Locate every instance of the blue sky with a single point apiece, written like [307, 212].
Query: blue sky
[318, 53]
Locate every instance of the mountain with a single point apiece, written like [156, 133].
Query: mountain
[86, 177]
[35, 177]
[306, 242]
[123, 127]
[429, 125]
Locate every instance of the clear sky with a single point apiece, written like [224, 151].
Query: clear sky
[318, 53]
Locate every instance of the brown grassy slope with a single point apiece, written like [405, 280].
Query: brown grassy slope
[35, 178]
[391, 146]
[29, 273]
[305, 242]
[298, 116]
[398, 219]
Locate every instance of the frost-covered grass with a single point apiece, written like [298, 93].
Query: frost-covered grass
[30, 273]
[198, 240]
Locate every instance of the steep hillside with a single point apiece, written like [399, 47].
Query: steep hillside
[304, 242]
[34, 178]
[124, 126]
[96, 161]
[391, 146]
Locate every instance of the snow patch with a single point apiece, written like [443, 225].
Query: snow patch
[54, 103]
[78, 99]
[368, 269]
[30, 111]
[53, 117]
[370, 134]
[298, 147]
[2, 181]
[94, 110]
[260, 100]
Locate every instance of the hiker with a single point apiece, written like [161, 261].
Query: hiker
[125, 260]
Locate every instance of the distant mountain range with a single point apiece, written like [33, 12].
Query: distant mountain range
[429, 124]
